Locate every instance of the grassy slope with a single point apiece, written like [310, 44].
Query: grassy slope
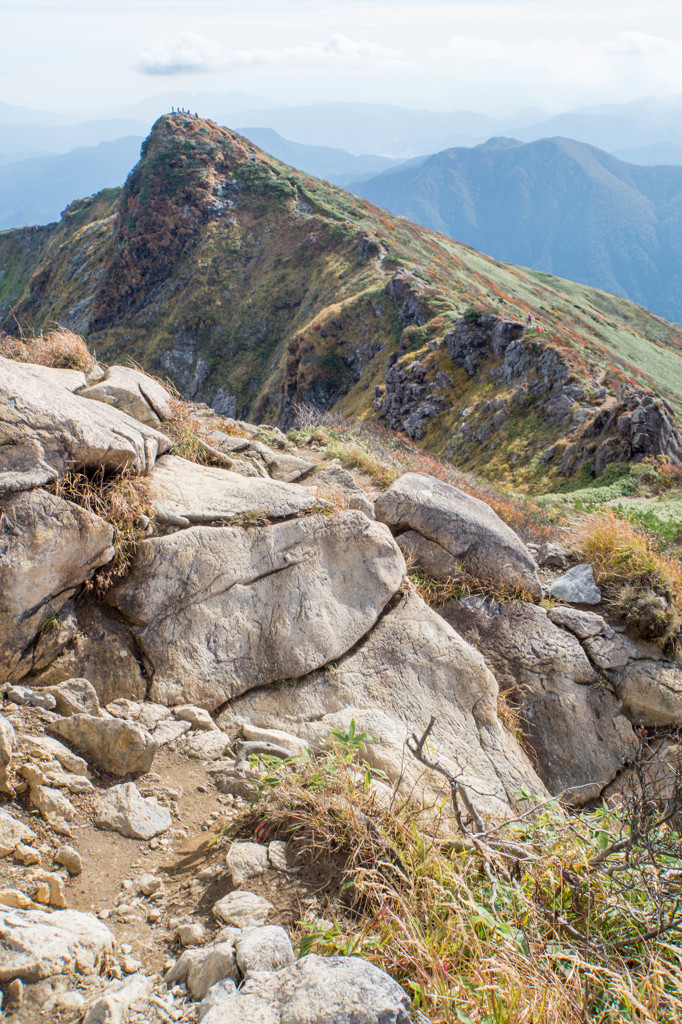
[272, 294]
[556, 204]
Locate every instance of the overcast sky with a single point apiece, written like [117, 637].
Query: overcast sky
[94, 55]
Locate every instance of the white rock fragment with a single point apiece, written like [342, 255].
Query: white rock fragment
[123, 809]
[198, 718]
[13, 833]
[246, 861]
[112, 1006]
[207, 746]
[577, 586]
[70, 859]
[54, 807]
[263, 949]
[201, 967]
[36, 944]
[243, 909]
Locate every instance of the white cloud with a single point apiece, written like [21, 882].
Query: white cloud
[181, 54]
[189, 52]
[638, 44]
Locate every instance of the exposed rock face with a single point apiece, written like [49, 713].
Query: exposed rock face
[406, 288]
[219, 611]
[573, 723]
[23, 466]
[134, 393]
[637, 427]
[472, 344]
[410, 399]
[99, 648]
[648, 685]
[49, 547]
[203, 494]
[464, 527]
[651, 692]
[35, 944]
[411, 666]
[71, 430]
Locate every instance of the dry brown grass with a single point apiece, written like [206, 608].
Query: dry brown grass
[60, 349]
[124, 501]
[400, 895]
[633, 571]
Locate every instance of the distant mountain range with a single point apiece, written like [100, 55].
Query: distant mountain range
[336, 165]
[555, 205]
[36, 191]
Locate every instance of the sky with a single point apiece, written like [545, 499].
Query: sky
[94, 56]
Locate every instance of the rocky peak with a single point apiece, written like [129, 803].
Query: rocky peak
[179, 184]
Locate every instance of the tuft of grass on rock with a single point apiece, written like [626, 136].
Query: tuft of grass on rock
[60, 349]
[633, 571]
[125, 502]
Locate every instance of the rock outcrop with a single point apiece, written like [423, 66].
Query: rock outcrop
[453, 525]
[48, 548]
[134, 393]
[411, 666]
[571, 721]
[219, 611]
[37, 405]
[183, 490]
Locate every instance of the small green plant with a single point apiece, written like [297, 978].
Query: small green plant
[351, 741]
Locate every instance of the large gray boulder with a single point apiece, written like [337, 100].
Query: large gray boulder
[316, 990]
[217, 611]
[112, 744]
[570, 719]
[48, 547]
[134, 393]
[36, 404]
[411, 666]
[35, 944]
[463, 528]
[203, 494]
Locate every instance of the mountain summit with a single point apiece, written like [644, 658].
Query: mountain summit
[257, 288]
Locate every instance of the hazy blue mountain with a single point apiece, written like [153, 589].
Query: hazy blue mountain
[36, 191]
[25, 140]
[378, 128]
[555, 205]
[12, 114]
[335, 165]
[653, 155]
[614, 127]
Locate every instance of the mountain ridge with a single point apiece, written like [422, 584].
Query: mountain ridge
[555, 205]
[257, 288]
